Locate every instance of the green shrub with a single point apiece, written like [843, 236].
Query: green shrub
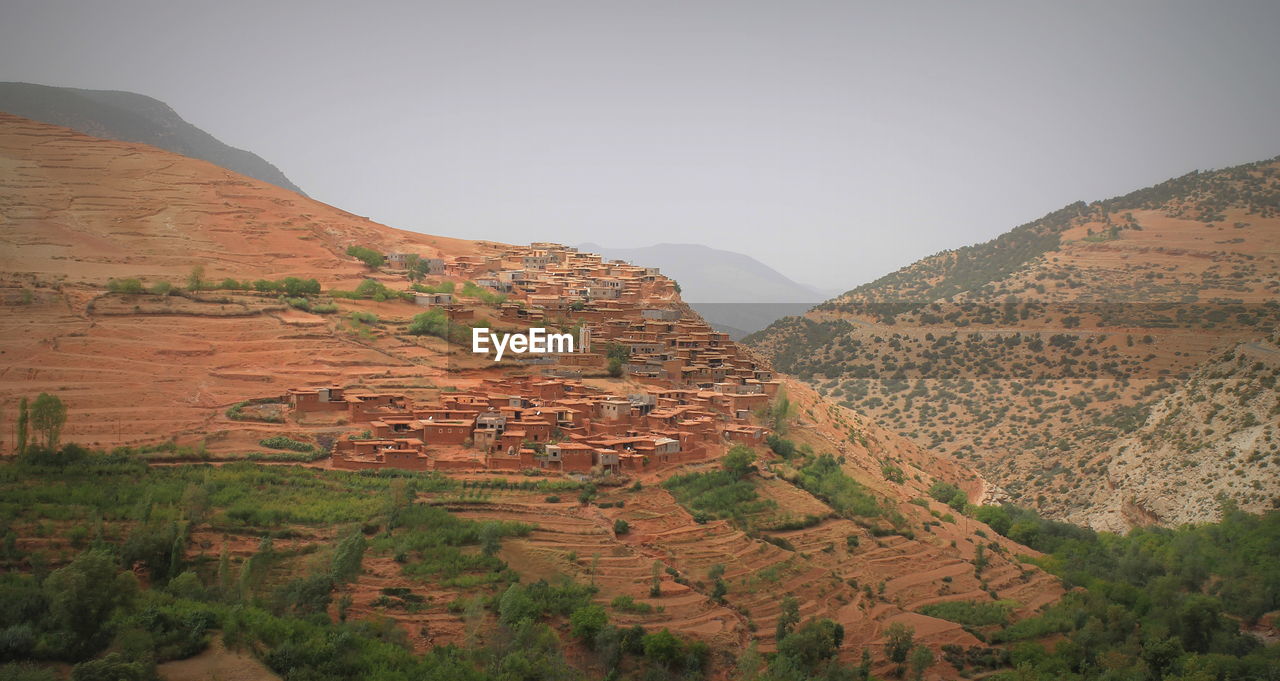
[368, 256]
[631, 605]
[285, 442]
[125, 286]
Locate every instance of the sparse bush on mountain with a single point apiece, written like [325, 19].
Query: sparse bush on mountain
[373, 259]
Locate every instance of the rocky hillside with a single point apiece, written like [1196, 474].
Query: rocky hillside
[1031, 355]
[131, 117]
[1216, 432]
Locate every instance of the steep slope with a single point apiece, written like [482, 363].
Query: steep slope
[735, 292]
[1215, 432]
[77, 211]
[1032, 354]
[139, 369]
[131, 117]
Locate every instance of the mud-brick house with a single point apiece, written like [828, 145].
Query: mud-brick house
[464, 412]
[433, 299]
[365, 407]
[744, 434]
[459, 313]
[569, 457]
[536, 429]
[609, 462]
[306, 400]
[446, 431]
[405, 453]
[397, 261]
[548, 390]
[663, 450]
[495, 284]
[488, 431]
[395, 425]
[513, 438]
[511, 459]
[614, 409]
[537, 261]
[661, 314]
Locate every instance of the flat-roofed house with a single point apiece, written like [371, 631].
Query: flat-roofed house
[365, 407]
[326, 398]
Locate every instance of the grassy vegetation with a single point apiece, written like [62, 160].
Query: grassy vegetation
[717, 495]
[822, 477]
[372, 289]
[972, 613]
[442, 287]
[371, 258]
[471, 290]
[286, 442]
[1156, 603]
[116, 515]
[727, 493]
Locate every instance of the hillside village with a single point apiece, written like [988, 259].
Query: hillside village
[700, 389]
[280, 440]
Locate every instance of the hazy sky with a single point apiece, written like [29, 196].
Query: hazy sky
[833, 140]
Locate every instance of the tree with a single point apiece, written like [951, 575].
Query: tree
[195, 504]
[490, 539]
[24, 417]
[83, 595]
[157, 545]
[349, 557]
[979, 559]
[788, 618]
[812, 644]
[781, 412]
[368, 256]
[586, 622]
[615, 367]
[921, 660]
[48, 414]
[663, 647]
[899, 639]
[655, 585]
[430, 323]
[739, 461]
[417, 266]
[621, 527]
[995, 516]
[195, 280]
[515, 605]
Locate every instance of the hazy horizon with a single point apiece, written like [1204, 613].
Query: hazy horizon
[830, 141]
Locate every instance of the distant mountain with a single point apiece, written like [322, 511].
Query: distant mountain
[130, 117]
[1091, 362]
[736, 293]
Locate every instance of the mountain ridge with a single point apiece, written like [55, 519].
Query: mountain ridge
[1031, 353]
[132, 117]
[737, 293]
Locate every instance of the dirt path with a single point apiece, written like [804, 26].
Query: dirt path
[217, 662]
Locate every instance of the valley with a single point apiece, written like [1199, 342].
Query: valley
[281, 448]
